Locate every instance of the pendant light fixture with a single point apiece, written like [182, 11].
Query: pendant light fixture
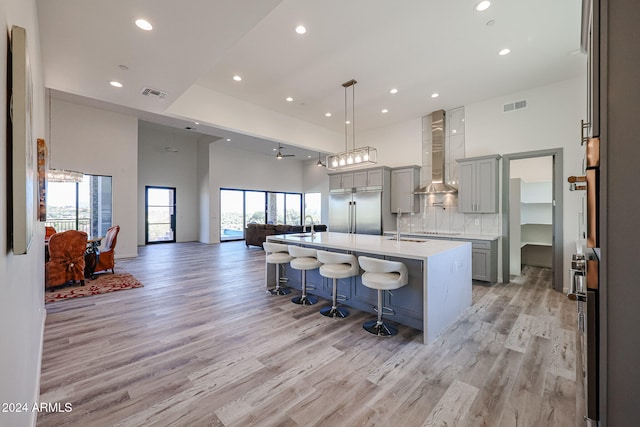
[357, 156]
[320, 163]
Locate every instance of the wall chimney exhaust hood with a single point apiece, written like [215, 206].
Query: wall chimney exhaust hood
[437, 186]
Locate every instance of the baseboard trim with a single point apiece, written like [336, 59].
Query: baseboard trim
[36, 397]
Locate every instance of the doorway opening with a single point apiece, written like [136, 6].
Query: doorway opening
[160, 215]
[532, 213]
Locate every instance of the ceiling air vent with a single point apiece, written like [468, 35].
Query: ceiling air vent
[147, 91]
[512, 106]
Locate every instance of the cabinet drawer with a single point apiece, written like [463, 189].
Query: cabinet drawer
[481, 244]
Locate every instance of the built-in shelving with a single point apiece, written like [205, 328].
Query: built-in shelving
[532, 240]
[536, 223]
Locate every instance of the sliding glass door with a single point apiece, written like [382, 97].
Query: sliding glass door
[241, 207]
[231, 215]
[160, 214]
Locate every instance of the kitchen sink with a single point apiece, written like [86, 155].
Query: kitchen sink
[406, 239]
[435, 233]
[301, 235]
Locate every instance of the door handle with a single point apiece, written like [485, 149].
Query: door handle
[573, 180]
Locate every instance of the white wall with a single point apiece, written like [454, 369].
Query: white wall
[551, 120]
[204, 195]
[22, 312]
[316, 180]
[158, 167]
[101, 142]
[397, 145]
[233, 168]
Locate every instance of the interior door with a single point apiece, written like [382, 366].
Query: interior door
[160, 214]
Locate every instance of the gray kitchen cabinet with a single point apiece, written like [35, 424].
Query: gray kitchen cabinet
[407, 301]
[341, 181]
[358, 179]
[404, 182]
[335, 182]
[375, 178]
[347, 180]
[484, 260]
[478, 188]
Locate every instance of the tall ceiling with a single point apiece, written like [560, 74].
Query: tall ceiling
[419, 47]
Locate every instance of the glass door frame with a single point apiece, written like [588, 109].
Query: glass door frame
[146, 214]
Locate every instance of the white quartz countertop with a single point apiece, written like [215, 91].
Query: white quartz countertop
[452, 236]
[382, 245]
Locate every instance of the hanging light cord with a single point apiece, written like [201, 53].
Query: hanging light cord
[346, 130]
[353, 113]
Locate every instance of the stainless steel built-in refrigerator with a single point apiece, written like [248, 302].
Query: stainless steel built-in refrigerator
[356, 212]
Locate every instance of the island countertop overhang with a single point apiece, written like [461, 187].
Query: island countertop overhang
[381, 245]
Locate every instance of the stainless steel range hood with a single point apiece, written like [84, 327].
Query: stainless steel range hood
[437, 186]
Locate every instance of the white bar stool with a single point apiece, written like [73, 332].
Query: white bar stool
[304, 259]
[382, 275]
[277, 254]
[337, 266]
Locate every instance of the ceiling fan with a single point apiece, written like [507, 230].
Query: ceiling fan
[279, 154]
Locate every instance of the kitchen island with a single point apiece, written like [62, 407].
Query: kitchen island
[439, 288]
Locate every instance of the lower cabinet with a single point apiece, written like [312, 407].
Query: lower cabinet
[484, 260]
[406, 302]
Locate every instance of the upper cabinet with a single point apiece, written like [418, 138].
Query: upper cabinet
[357, 179]
[404, 182]
[478, 188]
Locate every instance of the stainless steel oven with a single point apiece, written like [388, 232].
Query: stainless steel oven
[584, 290]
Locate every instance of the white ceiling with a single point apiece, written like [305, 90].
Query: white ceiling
[416, 46]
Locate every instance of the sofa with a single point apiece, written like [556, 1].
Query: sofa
[256, 234]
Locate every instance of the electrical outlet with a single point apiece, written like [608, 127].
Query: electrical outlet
[477, 221]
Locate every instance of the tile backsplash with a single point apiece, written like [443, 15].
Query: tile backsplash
[439, 212]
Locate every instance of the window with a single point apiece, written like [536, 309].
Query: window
[84, 206]
[241, 207]
[313, 206]
[292, 207]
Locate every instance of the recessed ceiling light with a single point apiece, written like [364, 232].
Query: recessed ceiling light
[483, 5]
[504, 52]
[300, 29]
[384, 111]
[228, 139]
[435, 95]
[327, 114]
[348, 122]
[143, 24]
[289, 99]
[237, 78]
[115, 83]
[394, 90]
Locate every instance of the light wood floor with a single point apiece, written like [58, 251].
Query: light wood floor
[203, 344]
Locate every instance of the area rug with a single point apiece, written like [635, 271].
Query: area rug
[102, 284]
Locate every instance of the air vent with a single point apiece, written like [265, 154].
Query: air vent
[147, 91]
[512, 106]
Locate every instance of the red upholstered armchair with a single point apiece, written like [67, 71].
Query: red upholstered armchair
[66, 258]
[49, 231]
[106, 259]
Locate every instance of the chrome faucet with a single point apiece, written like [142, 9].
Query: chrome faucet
[304, 226]
[398, 225]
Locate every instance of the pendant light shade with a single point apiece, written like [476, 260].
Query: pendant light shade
[356, 156]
